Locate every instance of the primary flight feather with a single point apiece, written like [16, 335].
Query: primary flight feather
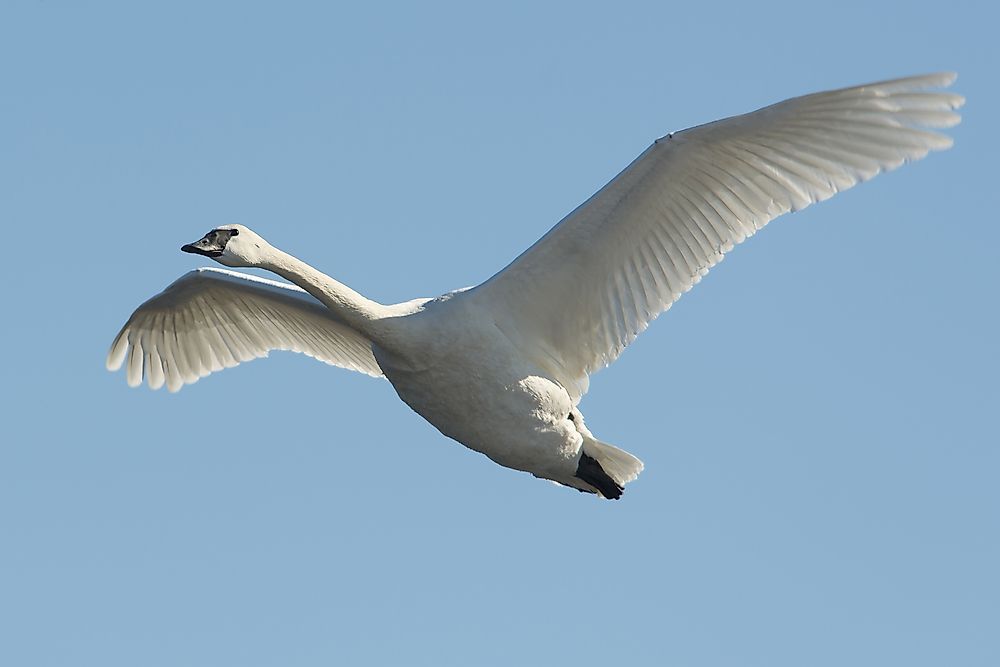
[501, 367]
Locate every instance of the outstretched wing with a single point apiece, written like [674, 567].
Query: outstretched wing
[586, 289]
[210, 319]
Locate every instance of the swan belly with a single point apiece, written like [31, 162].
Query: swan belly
[491, 403]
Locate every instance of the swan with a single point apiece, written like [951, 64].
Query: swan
[501, 367]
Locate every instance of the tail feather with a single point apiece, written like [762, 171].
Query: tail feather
[621, 466]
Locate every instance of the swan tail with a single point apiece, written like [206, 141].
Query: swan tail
[607, 468]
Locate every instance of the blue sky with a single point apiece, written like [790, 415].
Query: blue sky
[817, 417]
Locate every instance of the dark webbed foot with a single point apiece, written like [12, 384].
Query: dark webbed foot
[591, 472]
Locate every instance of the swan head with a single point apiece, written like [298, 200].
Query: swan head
[230, 245]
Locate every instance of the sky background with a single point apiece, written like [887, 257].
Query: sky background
[818, 417]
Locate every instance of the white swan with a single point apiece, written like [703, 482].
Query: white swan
[501, 367]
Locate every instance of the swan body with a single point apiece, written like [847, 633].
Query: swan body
[501, 367]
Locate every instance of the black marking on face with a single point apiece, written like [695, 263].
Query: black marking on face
[211, 244]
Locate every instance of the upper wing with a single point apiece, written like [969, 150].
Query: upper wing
[586, 289]
[210, 318]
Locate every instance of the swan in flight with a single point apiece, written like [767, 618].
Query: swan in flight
[501, 367]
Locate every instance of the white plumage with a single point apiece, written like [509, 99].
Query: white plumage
[210, 319]
[501, 367]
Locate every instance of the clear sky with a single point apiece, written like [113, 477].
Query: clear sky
[818, 417]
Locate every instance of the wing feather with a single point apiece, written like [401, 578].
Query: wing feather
[210, 319]
[577, 297]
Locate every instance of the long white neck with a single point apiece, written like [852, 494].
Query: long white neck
[347, 305]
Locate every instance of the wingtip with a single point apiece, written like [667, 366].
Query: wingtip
[946, 78]
[933, 79]
[911, 83]
[116, 354]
